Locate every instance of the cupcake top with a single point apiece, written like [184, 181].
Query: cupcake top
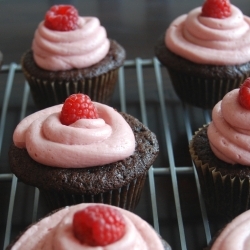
[236, 235]
[203, 37]
[77, 134]
[229, 132]
[64, 40]
[68, 227]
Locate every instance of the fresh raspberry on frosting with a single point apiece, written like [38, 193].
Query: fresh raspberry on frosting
[61, 18]
[98, 225]
[216, 9]
[244, 94]
[77, 106]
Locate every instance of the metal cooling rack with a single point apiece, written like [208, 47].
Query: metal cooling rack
[148, 80]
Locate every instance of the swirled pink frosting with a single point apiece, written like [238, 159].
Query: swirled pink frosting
[236, 235]
[55, 232]
[208, 40]
[64, 50]
[85, 143]
[229, 131]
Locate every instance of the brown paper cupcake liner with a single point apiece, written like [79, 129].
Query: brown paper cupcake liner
[202, 92]
[223, 195]
[46, 93]
[126, 197]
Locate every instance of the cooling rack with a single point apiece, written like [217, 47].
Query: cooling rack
[171, 201]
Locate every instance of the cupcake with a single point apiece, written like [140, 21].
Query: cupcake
[221, 155]
[235, 235]
[71, 54]
[206, 52]
[90, 226]
[89, 153]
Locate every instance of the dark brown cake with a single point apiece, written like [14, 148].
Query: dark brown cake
[98, 81]
[200, 85]
[225, 187]
[118, 184]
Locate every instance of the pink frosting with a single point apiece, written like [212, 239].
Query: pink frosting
[85, 143]
[210, 40]
[80, 48]
[229, 133]
[55, 232]
[236, 235]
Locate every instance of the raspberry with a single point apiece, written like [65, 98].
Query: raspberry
[98, 225]
[216, 9]
[61, 18]
[244, 94]
[77, 106]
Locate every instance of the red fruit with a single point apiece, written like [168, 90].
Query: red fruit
[216, 9]
[61, 18]
[98, 225]
[244, 94]
[77, 106]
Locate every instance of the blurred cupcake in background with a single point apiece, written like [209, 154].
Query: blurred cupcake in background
[90, 226]
[71, 54]
[206, 52]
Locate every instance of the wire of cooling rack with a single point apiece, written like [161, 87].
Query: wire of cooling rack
[138, 65]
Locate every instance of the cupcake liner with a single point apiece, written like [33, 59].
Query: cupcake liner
[223, 194]
[200, 91]
[46, 93]
[126, 197]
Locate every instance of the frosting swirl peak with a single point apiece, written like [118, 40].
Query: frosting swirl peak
[79, 48]
[208, 40]
[229, 133]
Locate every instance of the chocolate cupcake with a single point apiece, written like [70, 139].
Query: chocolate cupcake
[204, 60]
[70, 225]
[115, 176]
[225, 187]
[220, 152]
[74, 59]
